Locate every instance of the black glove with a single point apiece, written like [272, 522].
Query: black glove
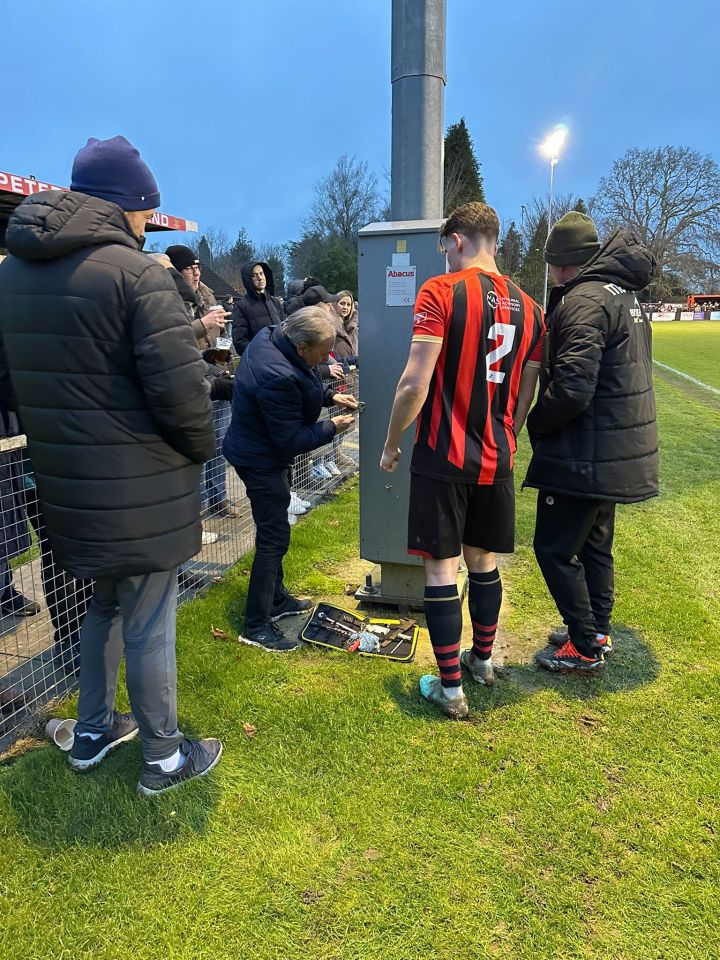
[221, 388]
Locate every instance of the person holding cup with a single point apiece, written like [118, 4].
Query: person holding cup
[209, 317]
[209, 320]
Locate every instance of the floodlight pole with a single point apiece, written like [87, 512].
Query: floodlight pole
[553, 161]
[418, 91]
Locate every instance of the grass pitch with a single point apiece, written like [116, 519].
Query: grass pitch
[569, 818]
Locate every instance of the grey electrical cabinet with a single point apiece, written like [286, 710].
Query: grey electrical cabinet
[395, 259]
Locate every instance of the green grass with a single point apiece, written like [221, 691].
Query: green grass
[693, 347]
[570, 818]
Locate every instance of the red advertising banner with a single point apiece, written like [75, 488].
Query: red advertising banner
[25, 186]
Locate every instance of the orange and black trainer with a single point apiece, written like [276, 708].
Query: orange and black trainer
[569, 659]
[559, 637]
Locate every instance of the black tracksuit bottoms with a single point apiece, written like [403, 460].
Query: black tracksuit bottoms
[573, 545]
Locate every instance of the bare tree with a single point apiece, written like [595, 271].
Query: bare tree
[217, 240]
[345, 200]
[670, 197]
[536, 211]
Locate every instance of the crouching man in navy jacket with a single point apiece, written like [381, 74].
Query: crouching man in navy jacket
[276, 403]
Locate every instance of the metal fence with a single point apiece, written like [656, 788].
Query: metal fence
[42, 607]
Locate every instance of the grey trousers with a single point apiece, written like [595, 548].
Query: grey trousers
[139, 615]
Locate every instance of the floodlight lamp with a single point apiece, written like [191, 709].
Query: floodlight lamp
[553, 144]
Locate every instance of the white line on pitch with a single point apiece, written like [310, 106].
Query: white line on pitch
[686, 376]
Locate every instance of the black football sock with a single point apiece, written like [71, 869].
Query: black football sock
[443, 614]
[484, 601]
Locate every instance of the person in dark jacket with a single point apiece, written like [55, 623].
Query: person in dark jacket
[201, 303]
[116, 408]
[276, 403]
[593, 428]
[14, 533]
[259, 307]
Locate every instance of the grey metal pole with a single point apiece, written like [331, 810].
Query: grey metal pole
[553, 161]
[418, 81]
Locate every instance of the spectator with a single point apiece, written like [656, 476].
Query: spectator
[309, 476]
[259, 307]
[14, 535]
[593, 429]
[208, 323]
[214, 481]
[276, 403]
[346, 338]
[293, 300]
[117, 413]
[346, 353]
[67, 598]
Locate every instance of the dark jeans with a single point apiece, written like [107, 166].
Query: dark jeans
[138, 615]
[573, 545]
[67, 598]
[269, 495]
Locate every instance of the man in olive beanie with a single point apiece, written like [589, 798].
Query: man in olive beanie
[593, 429]
[572, 241]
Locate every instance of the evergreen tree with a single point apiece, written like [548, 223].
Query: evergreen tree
[462, 181]
[532, 272]
[510, 254]
[331, 259]
[230, 265]
[204, 252]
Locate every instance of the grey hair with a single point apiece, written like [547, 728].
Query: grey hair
[162, 258]
[309, 325]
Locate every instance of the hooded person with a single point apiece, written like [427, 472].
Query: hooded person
[258, 308]
[293, 300]
[117, 413]
[593, 428]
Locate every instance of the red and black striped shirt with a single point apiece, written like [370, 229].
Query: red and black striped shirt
[489, 329]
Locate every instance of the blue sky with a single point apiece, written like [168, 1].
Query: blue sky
[239, 108]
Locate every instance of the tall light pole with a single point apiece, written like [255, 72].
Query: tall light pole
[550, 148]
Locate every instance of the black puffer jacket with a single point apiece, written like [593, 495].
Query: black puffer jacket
[593, 428]
[109, 385]
[255, 310]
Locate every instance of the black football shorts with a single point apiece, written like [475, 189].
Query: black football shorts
[444, 515]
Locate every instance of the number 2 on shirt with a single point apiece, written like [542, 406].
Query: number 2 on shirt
[506, 331]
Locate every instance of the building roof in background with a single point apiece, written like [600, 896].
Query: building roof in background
[221, 288]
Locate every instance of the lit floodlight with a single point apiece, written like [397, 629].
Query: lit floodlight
[553, 144]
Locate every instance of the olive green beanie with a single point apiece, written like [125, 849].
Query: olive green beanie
[573, 240]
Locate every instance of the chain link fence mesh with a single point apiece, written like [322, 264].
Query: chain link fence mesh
[42, 607]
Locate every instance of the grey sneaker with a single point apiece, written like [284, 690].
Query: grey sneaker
[201, 756]
[432, 689]
[480, 670]
[86, 753]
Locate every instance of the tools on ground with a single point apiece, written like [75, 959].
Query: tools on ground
[353, 632]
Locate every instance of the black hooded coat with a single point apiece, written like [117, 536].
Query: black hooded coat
[255, 310]
[98, 359]
[593, 428]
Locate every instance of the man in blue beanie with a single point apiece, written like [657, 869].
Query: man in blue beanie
[116, 408]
